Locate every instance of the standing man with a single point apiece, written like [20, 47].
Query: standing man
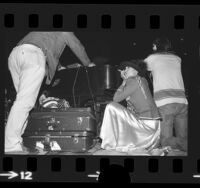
[35, 56]
[169, 94]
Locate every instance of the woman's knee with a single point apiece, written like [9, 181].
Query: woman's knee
[113, 105]
[114, 108]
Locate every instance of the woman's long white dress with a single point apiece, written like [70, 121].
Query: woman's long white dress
[123, 131]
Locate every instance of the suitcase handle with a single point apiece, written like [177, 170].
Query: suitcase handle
[52, 123]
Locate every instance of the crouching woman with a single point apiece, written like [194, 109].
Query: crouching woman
[136, 126]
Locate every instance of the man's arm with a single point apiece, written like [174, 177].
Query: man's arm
[76, 46]
[148, 63]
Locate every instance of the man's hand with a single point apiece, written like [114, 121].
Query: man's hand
[91, 64]
[60, 67]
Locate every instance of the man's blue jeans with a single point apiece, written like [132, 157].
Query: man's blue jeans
[174, 125]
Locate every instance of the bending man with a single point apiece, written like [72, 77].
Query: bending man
[35, 56]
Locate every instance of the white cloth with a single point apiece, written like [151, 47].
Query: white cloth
[27, 66]
[167, 78]
[122, 131]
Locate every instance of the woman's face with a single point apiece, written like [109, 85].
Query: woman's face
[129, 72]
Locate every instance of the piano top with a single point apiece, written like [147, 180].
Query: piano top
[81, 80]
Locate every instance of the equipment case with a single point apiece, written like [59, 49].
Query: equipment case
[73, 129]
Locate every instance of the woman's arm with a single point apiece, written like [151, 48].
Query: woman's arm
[126, 89]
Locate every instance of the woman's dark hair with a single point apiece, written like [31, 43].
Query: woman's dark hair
[137, 64]
[163, 44]
[142, 67]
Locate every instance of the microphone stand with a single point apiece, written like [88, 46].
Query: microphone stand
[89, 86]
[73, 88]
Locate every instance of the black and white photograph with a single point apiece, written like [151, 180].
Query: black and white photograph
[99, 92]
[96, 93]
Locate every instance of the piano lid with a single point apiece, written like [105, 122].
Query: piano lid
[98, 78]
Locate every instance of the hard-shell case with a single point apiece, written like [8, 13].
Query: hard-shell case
[73, 129]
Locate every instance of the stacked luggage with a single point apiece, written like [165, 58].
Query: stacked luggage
[71, 129]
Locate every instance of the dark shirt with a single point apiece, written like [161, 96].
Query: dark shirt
[53, 44]
[139, 98]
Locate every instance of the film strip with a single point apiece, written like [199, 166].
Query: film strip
[177, 21]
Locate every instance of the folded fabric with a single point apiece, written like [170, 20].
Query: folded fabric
[52, 102]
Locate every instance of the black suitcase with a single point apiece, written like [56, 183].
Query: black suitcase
[72, 119]
[73, 129]
[60, 141]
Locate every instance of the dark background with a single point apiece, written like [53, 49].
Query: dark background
[112, 46]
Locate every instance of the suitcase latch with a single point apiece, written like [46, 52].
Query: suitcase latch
[76, 139]
[52, 123]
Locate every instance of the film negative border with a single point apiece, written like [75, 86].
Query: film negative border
[57, 21]
[130, 18]
[105, 21]
[89, 169]
[120, 17]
